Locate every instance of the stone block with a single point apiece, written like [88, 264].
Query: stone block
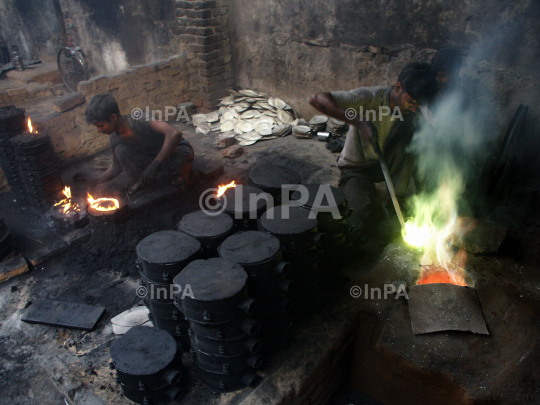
[202, 31]
[212, 72]
[188, 39]
[209, 40]
[184, 4]
[69, 101]
[225, 140]
[21, 91]
[210, 55]
[13, 268]
[233, 152]
[180, 12]
[202, 14]
[201, 5]
[204, 22]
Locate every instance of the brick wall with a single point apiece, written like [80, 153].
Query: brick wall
[202, 27]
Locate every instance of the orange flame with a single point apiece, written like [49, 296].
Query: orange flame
[222, 189]
[30, 127]
[103, 204]
[439, 275]
[66, 204]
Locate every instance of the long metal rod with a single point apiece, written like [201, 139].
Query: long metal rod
[388, 179]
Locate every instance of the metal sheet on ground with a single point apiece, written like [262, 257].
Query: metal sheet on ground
[443, 307]
[65, 314]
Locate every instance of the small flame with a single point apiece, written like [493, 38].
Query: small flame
[222, 189]
[103, 204]
[66, 204]
[30, 127]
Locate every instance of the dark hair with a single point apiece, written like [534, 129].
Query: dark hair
[419, 80]
[101, 108]
[446, 60]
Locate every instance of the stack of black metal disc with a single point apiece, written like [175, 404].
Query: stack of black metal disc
[331, 209]
[222, 343]
[38, 167]
[161, 256]
[245, 204]
[5, 240]
[148, 366]
[301, 244]
[271, 178]
[260, 255]
[12, 122]
[209, 230]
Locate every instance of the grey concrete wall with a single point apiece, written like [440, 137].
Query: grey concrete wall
[292, 48]
[33, 26]
[116, 34]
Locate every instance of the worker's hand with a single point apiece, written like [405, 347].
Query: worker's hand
[149, 175]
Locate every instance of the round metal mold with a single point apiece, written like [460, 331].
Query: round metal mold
[28, 140]
[177, 329]
[156, 291]
[250, 248]
[100, 218]
[239, 328]
[146, 359]
[165, 310]
[209, 230]
[228, 382]
[244, 204]
[226, 364]
[218, 288]
[11, 118]
[164, 254]
[71, 220]
[34, 150]
[270, 178]
[163, 396]
[292, 226]
[225, 347]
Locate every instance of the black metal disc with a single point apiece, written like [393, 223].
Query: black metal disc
[212, 279]
[313, 189]
[272, 176]
[167, 247]
[237, 199]
[291, 220]
[249, 247]
[201, 225]
[143, 351]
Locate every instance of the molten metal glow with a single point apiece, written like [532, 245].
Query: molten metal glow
[438, 275]
[66, 204]
[103, 204]
[222, 189]
[436, 228]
